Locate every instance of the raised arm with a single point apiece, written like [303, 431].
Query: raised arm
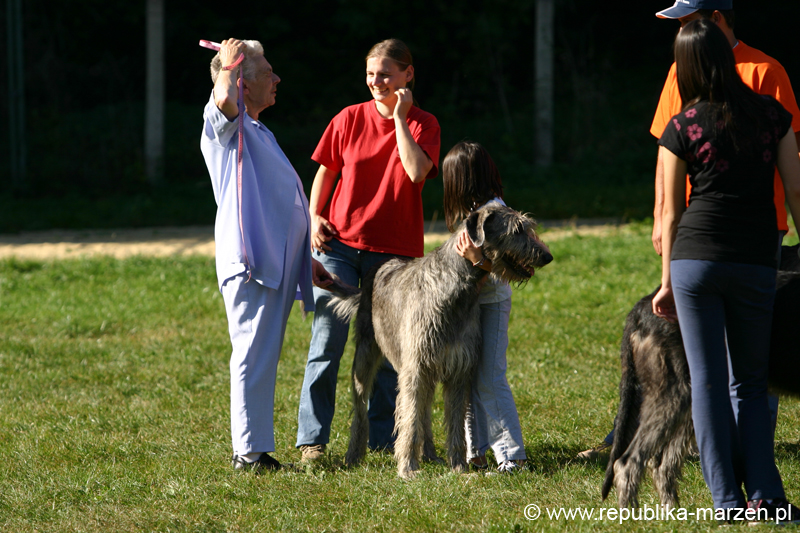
[226, 90]
[415, 161]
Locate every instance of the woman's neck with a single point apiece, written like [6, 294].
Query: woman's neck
[386, 108]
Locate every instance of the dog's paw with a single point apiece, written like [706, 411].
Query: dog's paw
[460, 469]
[351, 460]
[435, 459]
[407, 474]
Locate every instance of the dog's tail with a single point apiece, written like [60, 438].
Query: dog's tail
[627, 420]
[345, 299]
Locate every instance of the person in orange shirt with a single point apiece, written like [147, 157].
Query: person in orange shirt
[761, 73]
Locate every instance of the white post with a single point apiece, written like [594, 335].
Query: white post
[543, 123]
[154, 98]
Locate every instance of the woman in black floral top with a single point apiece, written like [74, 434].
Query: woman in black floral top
[720, 259]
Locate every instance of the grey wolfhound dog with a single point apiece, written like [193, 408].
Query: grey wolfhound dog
[423, 316]
[654, 422]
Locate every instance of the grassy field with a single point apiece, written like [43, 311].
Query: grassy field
[114, 401]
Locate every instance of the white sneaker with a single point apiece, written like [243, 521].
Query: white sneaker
[509, 467]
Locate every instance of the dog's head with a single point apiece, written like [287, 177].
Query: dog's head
[508, 239]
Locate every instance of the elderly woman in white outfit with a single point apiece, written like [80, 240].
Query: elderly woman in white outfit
[263, 247]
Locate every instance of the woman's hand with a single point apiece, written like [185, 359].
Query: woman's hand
[404, 102]
[467, 249]
[230, 50]
[664, 305]
[321, 232]
[319, 276]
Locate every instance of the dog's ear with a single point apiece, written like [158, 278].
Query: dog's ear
[475, 227]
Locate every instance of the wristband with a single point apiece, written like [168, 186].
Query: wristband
[479, 263]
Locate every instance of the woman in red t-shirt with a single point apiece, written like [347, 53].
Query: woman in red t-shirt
[384, 149]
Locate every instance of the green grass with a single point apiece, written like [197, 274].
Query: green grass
[114, 402]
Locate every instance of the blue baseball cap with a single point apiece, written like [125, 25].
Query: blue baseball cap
[683, 8]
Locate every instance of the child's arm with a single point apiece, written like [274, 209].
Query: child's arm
[469, 251]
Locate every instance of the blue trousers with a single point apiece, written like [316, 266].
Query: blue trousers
[773, 400]
[492, 418]
[725, 316]
[328, 339]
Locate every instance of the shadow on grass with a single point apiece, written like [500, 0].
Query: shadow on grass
[787, 451]
[548, 459]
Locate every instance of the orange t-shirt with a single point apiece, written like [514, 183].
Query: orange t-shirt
[761, 73]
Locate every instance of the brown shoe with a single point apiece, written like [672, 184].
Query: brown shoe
[591, 454]
[312, 452]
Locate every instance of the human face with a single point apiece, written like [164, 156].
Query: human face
[261, 91]
[384, 77]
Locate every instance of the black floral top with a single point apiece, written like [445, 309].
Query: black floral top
[731, 214]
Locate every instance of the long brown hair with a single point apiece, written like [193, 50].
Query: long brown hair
[707, 72]
[470, 180]
[397, 51]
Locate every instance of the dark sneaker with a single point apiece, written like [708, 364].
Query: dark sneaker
[479, 464]
[778, 511]
[262, 464]
[591, 454]
[312, 452]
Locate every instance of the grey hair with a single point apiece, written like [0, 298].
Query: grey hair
[253, 50]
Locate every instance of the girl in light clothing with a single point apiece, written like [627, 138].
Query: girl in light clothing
[471, 180]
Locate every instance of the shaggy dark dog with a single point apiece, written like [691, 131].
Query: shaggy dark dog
[423, 316]
[654, 421]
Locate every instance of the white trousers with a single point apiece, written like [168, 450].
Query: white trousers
[257, 319]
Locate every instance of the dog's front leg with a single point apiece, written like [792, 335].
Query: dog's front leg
[428, 448]
[455, 394]
[415, 395]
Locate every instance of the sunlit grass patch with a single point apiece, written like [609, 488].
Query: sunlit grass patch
[114, 395]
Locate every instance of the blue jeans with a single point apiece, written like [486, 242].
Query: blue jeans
[328, 339]
[492, 418]
[719, 304]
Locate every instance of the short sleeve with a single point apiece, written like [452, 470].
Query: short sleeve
[428, 138]
[669, 104]
[218, 129]
[329, 149]
[776, 84]
[674, 138]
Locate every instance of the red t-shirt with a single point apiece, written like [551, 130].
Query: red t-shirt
[375, 206]
[761, 73]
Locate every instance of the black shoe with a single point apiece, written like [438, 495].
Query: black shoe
[479, 464]
[262, 464]
[779, 511]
